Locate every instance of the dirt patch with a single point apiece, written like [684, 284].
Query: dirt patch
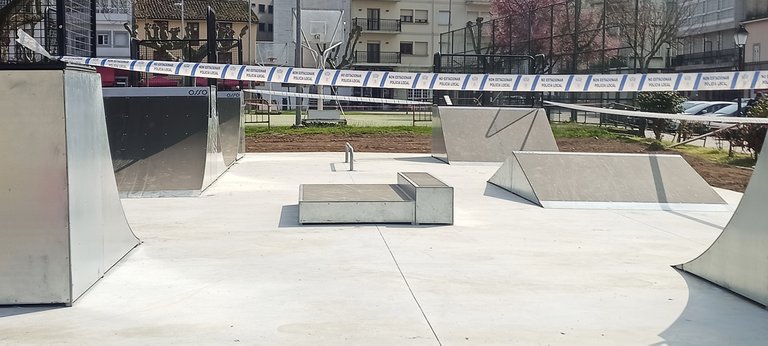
[719, 175]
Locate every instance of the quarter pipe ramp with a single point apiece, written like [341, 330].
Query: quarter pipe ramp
[61, 223]
[738, 259]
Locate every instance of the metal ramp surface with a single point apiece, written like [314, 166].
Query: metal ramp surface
[62, 224]
[488, 134]
[169, 142]
[606, 181]
[738, 259]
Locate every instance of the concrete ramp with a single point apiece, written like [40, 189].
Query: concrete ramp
[170, 142]
[606, 181]
[61, 222]
[485, 134]
[738, 259]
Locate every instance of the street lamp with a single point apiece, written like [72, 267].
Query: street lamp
[740, 39]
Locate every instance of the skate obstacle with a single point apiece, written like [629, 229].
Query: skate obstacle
[417, 198]
[171, 142]
[738, 259]
[486, 134]
[606, 181]
[62, 224]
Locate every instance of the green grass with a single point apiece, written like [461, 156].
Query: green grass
[717, 155]
[339, 130]
[565, 130]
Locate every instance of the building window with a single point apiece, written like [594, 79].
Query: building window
[444, 17]
[406, 48]
[420, 16]
[270, 27]
[103, 39]
[262, 8]
[420, 48]
[406, 16]
[120, 39]
[756, 52]
[262, 27]
[270, 9]
[194, 30]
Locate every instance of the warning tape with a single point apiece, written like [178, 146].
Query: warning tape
[682, 117]
[339, 97]
[746, 80]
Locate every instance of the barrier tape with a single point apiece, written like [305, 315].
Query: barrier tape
[339, 97]
[683, 117]
[746, 80]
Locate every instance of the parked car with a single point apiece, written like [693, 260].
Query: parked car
[689, 104]
[730, 111]
[707, 107]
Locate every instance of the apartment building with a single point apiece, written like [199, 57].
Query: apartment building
[756, 49]
[404, 35]
[707, 35]
[265, 10]
[112, 39]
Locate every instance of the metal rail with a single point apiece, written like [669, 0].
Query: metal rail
[349, 156]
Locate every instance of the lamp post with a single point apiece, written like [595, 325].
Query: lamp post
[298, 62]
[740, 39]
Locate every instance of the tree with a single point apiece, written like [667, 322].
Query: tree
[558, 28]
[750, 136]
[660, 102]
[645, 29]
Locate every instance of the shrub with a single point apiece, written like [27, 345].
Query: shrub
[660, 102]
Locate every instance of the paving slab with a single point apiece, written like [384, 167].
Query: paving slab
[234, 266]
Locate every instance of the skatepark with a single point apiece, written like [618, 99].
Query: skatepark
[229, 258]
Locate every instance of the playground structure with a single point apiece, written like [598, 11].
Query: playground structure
[63, 225]
[169, 142]
[606, 181]
[479, 134]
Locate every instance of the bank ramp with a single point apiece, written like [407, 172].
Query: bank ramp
[606, 181]
[488, 134]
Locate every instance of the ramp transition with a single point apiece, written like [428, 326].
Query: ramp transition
[62, 222]
[169, 142]
[738, 259]
[606, 181]
[485, 134]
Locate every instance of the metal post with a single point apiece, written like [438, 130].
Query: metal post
[298, 61]
[211, 37]
[183, 26]
[741, 68]
[93, 29]
[61, 27]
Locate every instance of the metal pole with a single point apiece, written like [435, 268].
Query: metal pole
[183, 25]
[250, 28]
[637, 19]
[298, 61]
[741, 68]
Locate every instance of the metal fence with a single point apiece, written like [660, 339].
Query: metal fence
[228, 51]
[63, 27]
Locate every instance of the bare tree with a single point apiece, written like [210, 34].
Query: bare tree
[645, 29]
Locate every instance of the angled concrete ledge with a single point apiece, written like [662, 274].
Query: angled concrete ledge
[417, 198]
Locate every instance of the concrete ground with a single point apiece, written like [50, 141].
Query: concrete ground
[233, 266]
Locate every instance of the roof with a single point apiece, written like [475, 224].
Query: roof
[226, 10]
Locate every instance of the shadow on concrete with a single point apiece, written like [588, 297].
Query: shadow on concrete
[289, 216]
[497, 192]
[420, 159]
[694, 219]
[14, 310]
[715, 316]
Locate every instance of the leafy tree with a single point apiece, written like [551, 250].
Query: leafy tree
[660, 102]
[558, 28]
[750, 136]
[647, 28]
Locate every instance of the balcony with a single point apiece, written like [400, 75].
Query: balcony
[378, 25]
[379, 58]
[714, 59]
